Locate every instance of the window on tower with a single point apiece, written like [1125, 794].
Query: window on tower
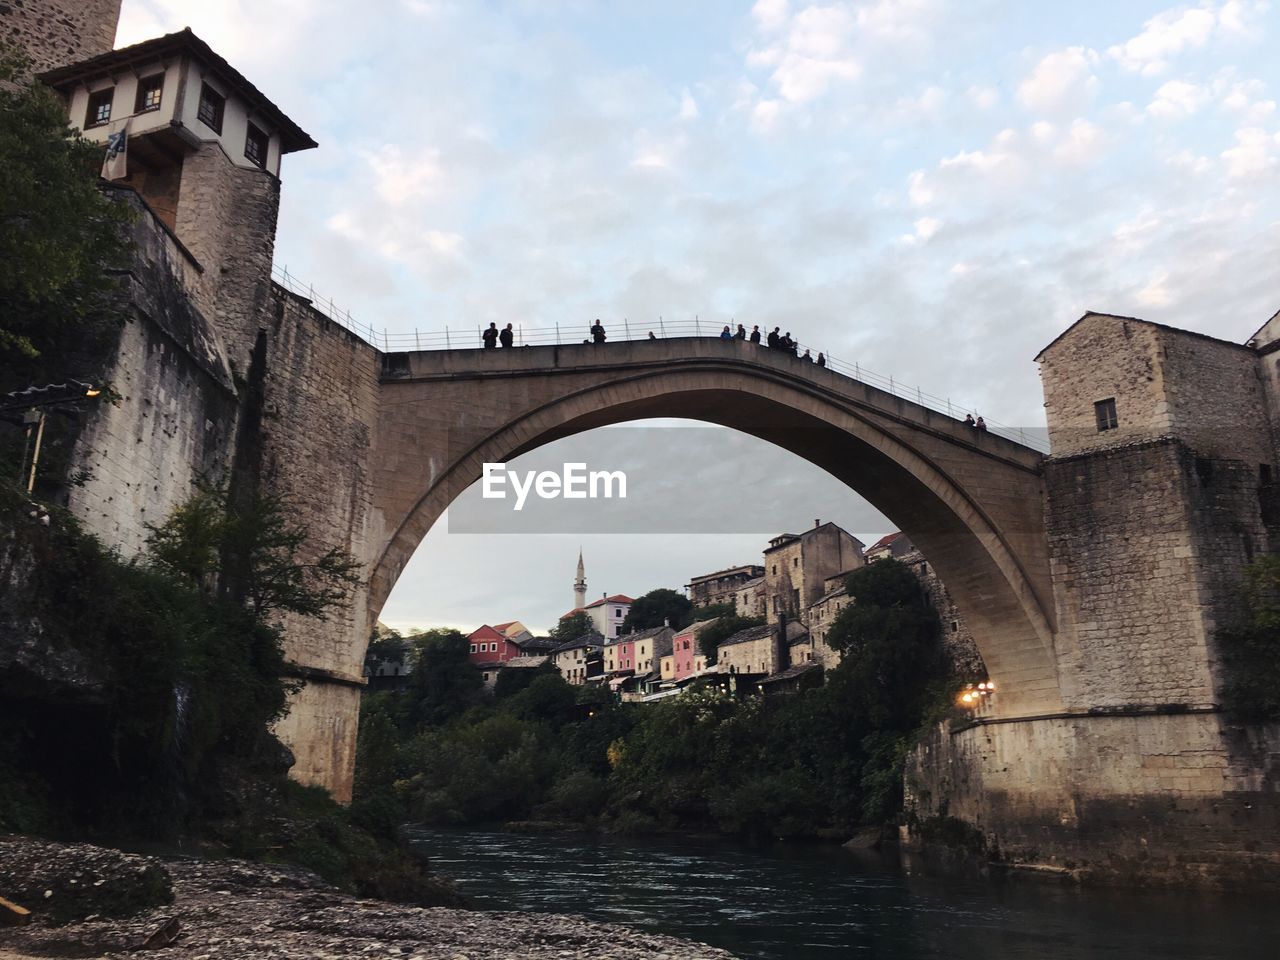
[150, 91]
[255, 146]
[212, 106]
[99, 108]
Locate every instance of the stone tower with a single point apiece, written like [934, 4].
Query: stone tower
[52, 33]
[580, 585]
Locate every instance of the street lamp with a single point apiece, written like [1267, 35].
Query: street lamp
[35, 404]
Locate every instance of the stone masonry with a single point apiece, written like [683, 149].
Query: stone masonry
[52, 33]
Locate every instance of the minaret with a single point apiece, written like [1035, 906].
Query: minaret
[580, 586]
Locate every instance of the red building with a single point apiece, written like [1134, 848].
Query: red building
[491, 646]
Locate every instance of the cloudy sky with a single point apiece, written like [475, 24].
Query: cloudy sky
[934, 189]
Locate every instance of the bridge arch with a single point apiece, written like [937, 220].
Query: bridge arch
[972, 503]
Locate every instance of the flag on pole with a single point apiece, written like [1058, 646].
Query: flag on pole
[115, 165]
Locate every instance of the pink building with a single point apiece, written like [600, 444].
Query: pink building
[620, 655]
[687, 659]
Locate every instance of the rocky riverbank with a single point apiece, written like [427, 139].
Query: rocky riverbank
[230, 909]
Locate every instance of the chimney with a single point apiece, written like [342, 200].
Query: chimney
[666, 621]
[816, 523]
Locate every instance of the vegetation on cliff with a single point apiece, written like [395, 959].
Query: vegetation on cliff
[140, 694]
[823, 762]
[1251, 647]
[61, 241]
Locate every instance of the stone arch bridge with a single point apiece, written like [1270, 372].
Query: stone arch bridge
[972, 501]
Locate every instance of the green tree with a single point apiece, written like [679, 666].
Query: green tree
[249, 549]
[515, 679]
[61, 240]
[1251, 647]
[444, 682]
[713, 610]
[572, 627]
[656, 607]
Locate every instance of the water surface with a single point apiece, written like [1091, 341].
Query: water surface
[806, 903]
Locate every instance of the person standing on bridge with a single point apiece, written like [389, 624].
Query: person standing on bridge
[597, 332]
[807, 355]
[507, 336]
[726, 333]
[822, 360]
[755, 333]
[741, 334]
[774, 339]
[490, 337]
[969, 421]
[981, 425]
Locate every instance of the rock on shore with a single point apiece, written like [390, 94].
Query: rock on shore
[231, 909]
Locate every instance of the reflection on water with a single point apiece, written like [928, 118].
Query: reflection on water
[810, 903]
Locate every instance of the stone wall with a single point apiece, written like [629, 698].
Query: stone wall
[1216, 398]
[1173, 798]
[1148, 543]
[1165, 382]
[174, 421]
[53, 33]
[1130, 629]
[226, 216]
[750, 656]
[320, 401]
[957, 638]
[1099, 358]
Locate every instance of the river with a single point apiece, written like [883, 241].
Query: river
[819, 903]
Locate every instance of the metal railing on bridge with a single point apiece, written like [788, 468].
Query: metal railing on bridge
[469, 337]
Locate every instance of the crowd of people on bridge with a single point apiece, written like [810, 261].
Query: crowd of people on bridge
[775, 339]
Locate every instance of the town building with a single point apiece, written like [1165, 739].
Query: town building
[749, 599]
[687, 656]
[651, 647]
[821, 615]
[759, 651]
[489, 645]
[797, 567]
[606, 614]
[891, 546]
[582, 659]
[515, 631]
[723, 585]
[620, 654]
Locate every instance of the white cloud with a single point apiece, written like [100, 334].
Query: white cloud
[397, 178]
[1080, 145]
[1156, 291]
[1062, 82]
[764, 115]
[926, 227]
[770, 14]
[688, 106]
[983, 97]
[918, 189]
[1177, 98]
[903, 20]
[1168, 34]
[1253, 155]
